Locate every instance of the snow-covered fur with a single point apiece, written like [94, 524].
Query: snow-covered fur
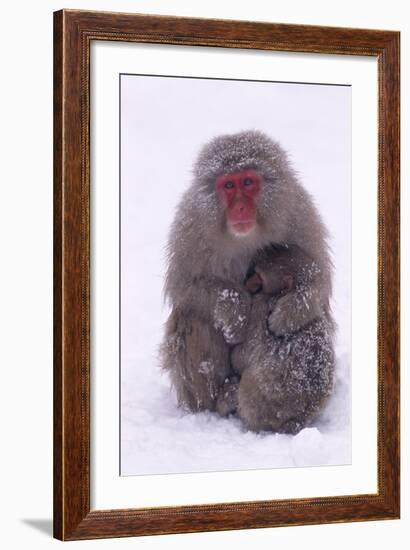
[207, 266]
[284, 380]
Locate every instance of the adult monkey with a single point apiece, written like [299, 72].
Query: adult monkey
[244, 198]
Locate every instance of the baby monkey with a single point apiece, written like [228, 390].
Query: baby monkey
[281, 382]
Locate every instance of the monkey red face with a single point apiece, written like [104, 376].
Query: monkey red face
[237, 193]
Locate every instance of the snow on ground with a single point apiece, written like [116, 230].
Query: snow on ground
[159, 437]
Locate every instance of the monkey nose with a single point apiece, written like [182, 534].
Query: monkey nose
[241, 210]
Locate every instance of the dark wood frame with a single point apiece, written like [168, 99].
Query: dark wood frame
[73, 33]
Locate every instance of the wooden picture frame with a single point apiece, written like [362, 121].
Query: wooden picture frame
[74, 32]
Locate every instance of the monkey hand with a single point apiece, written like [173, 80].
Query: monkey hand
[231, 314]
[289, 314]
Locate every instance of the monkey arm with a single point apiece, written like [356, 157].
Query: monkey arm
[299, 307]
[225, 305]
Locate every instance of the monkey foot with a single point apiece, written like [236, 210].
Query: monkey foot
[291, 427]
[227, 401]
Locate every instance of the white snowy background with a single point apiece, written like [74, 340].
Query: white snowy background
[164, 122]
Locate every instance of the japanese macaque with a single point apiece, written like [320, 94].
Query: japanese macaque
[245, 203]
[281, 383]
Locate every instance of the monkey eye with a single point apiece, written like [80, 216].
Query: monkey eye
[248, 181]
[228, 185]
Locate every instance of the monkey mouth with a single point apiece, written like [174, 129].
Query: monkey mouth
[241, 228]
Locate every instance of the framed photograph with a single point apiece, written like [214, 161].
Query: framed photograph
[226, 275]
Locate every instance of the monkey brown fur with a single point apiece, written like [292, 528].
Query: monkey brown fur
[285, 380]
[244, 201]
